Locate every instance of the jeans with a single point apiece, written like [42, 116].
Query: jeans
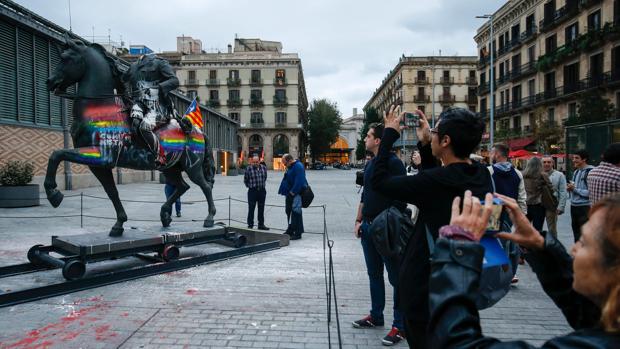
[295, 220]
[169, 189]
[514, 252]
[256, 196]
[579, 217]
[536, 215]
[374, 266]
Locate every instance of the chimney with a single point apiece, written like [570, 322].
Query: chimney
[354, 111]
[229, 48]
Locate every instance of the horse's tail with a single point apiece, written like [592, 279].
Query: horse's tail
[208, 163]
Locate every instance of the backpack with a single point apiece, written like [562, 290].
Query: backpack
[391, 230]
[547, 199]
[494, 281]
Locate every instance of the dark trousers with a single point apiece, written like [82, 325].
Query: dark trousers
[374, 266]
[417, 335]
[256, 196]
[295, 220]
[169, 189]
[579, 216]
[536, 215]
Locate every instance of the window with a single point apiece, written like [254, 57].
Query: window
[516, 96]
[191, 75]
[212, 74]
[531, 120]
[234, 116]
[594, 20]
[192, 94]
[280, 146]
[551, 43]
[531, 87]
[281, 94]
[233, 94]
[280, 77]
[446, 90]
[530, 23]
[483, 78]
[214, 94]
[256, 95]
[551, 115]
[233, 74]
[446, 74]
[572, 110]
[421, 92]
[256, 118]
[255, 76]
[421, 75]
[531, 54]
[421, 108]
[571, 32]
[472, 74]
[596, 67]
[280, 118]
[516, 122]
[501, 70]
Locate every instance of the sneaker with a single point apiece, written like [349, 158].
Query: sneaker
[262, 227]
[367, 322]
[393, 337]
[178, 214]
[295, 237]
[514, 280]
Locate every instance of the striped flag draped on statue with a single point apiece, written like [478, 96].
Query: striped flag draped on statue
[194, 115]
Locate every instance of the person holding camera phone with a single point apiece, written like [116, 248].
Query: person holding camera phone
[455, 136]
[372, 203]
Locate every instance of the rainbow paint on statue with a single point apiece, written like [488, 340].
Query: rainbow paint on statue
[175, 140]
[91, 155]
[197, 143]
[105, 118]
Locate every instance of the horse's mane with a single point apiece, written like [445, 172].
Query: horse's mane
[114, 68]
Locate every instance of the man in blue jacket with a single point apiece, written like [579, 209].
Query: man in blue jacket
[293, 183]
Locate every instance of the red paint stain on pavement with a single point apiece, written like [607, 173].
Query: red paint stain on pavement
[103, 332]
[61, 331]
[191, 291]
[125, 314]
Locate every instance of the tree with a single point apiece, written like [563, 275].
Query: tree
[371, 116]
[592, 108]
[546, 132]
[323, 126]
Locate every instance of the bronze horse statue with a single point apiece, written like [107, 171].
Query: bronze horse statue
[102, 136]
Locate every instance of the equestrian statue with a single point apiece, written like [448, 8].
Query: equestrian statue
[127, 119]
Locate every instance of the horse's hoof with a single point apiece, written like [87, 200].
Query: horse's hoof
[165, 219]
[208, 223]
[116, 231]
[55, 198]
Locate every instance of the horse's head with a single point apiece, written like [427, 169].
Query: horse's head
[71, 68]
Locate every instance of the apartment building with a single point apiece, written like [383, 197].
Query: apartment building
[431, 84]
[547, 54]
[259, 86]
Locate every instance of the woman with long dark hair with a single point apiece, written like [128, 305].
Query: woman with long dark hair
[534, 179]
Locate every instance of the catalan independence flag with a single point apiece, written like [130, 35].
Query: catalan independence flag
[193, 114]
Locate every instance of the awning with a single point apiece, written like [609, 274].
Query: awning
[519, 153]
[520, 143]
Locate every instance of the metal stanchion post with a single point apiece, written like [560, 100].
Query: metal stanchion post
[229, 210]
[81, 209]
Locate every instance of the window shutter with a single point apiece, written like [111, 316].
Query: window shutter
[25, 76]
[55, 101]
[41, 65]
[8, 92]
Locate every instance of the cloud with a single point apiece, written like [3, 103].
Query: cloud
[347, 47]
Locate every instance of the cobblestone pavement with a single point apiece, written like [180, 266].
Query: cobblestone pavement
[268, 300]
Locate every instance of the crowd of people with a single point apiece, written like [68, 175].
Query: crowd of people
[435, 278]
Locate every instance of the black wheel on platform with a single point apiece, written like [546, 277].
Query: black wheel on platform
[32, 255]
[170, 253]
[240, 240]
[74, 270]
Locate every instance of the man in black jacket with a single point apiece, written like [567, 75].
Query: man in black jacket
[455, 136]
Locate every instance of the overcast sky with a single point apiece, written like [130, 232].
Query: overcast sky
[346, 47]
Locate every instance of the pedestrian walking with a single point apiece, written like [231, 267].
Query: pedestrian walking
[579, 193]
[372, 203]
[605, 178]
[255, 179]
[291, 187]
[535, 178]
[558, 182]
[169, 189]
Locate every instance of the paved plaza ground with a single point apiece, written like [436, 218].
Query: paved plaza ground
[268, 300]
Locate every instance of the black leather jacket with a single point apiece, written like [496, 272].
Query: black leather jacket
[454, 279]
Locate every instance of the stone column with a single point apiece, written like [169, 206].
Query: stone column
[245, 144]
[268, 148]
[293, 144]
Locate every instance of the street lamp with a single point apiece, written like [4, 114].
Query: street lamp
[492, 78]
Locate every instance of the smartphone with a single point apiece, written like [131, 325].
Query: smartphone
[494, 224]
[412, 119]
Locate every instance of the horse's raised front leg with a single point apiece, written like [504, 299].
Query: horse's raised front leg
[173, 175]
[84, 156]
[105, 177]
[196, 175]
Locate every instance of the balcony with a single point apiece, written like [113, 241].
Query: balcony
[504, 49]
[529, 35]
[515, 43]
[422, 98]
[233, 82]
[192, 82]
[256, 82]
[265, 125]
[585, 4]
[279, 102]
[280, 82]
[234, 102]
[514, 74]
[421, 81]
[446, 80]
[212, 82]
[483, 88]
[503, 78]
[559, 16]
[256, 102]
[471, 80]
[447, 99]
[214, 103]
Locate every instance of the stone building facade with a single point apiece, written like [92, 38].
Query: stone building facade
[547, 54]
[257, 85]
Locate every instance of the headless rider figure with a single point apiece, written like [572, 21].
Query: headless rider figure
[149, 81]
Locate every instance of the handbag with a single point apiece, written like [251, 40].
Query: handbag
[390, 231]
[548, 200]
[306, 197]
